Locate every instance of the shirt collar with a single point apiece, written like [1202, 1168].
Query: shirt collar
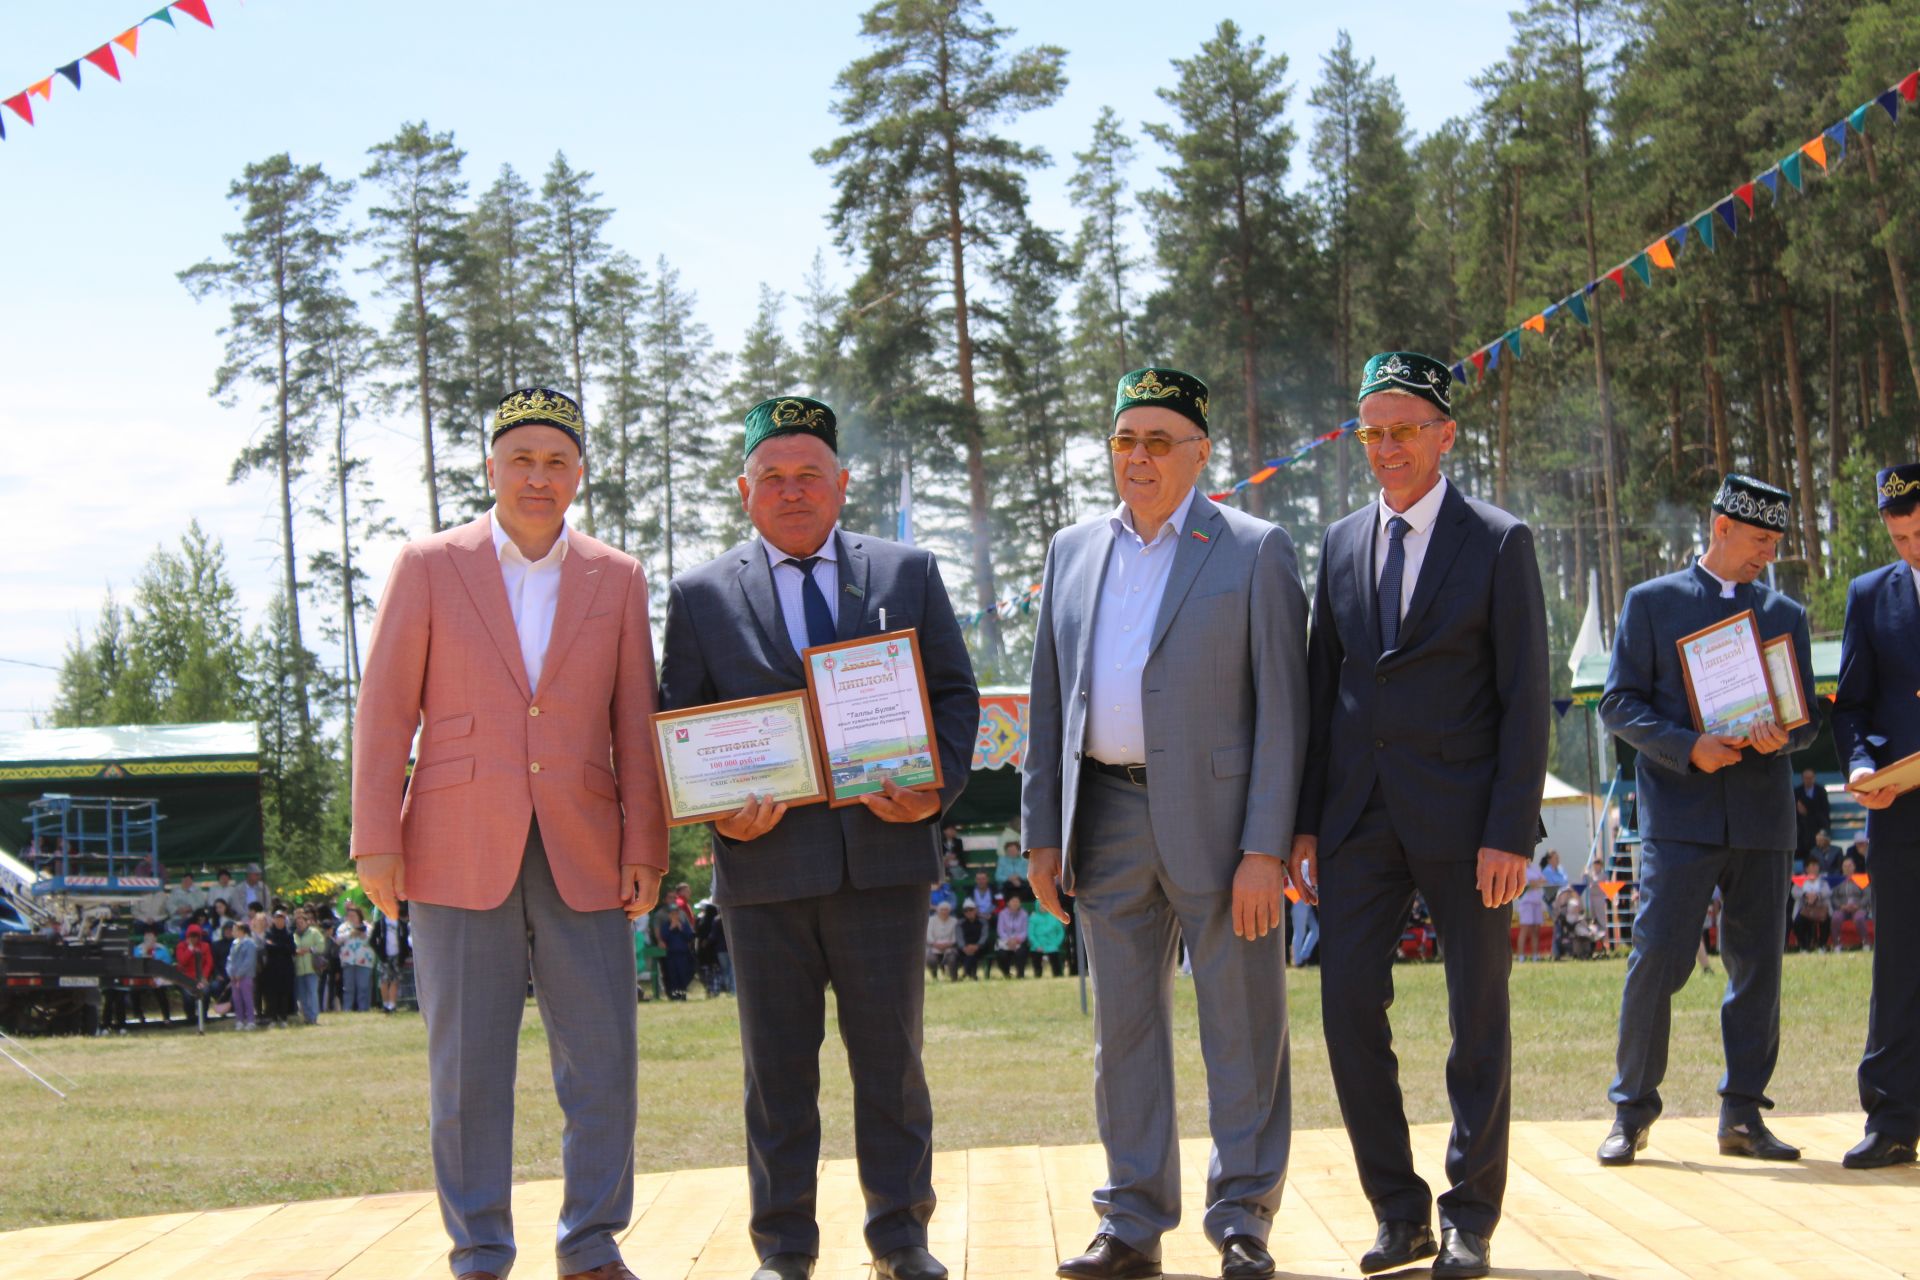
[828, 550]
[1421, 515]
[501, 542]
[1122, 520]
[1726, 587]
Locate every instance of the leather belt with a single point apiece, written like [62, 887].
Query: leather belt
[1134, 773]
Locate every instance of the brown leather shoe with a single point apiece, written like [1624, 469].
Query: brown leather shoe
[615, 1270]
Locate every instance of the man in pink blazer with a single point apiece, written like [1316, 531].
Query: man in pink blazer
[531, 831]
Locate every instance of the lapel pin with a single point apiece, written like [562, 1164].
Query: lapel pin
[853, 591]
[1200, 537]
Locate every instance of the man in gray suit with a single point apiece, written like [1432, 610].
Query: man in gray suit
[822, 896]
[1166, 736]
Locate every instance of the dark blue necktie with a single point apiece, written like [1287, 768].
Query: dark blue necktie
[813, 603]
[1390, 584]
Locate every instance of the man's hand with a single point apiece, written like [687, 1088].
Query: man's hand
[1303, 868]
[755, 819]
[894, 803]
[1256, 895]
[1875, 800]
[639, 889]
[1767, 737]
[1501, 876]
[383, 878]
[1043, 873]
[1711, 754]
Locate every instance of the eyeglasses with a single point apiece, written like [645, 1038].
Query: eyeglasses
[1402, 432]
[1157, 446]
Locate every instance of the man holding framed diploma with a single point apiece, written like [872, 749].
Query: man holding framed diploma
[1876, 729]
[1690, 691]
[832, 893]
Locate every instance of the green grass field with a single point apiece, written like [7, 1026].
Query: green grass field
[171, 1121]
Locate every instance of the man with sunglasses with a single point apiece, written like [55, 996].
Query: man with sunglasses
[1428, 664]
[1166, 734]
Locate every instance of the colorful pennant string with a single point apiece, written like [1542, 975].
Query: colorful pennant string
[102, 59]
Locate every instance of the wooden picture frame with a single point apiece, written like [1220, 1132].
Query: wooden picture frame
[1741, 632]
[843, 788]
[1790, 707]
[668, 745]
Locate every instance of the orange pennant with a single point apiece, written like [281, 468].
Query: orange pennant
[1859, 878]
[1261, 476]
[1816, 151]
[1293, 894]
[43, 90]
[1538, 324]
[129, 40]
[1660, 254]
[1612, 888]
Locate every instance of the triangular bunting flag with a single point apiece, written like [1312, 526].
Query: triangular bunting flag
[1790, 166]
[1538, 324]
[1890, 102]
[1678, 238]
[1725, 210]
[1910, 87]
[3, 128]
[1619, 277]
[1641, 268]
[103, 59]
[194, 9]
[1550, 309]
[1512, 338]
[1493, 356]
[1577, 303]
[71, 71]
[160, 15]
[1479, 359]
[1561, 706]
[20, 106]
[42, 90]
[129, 40]
[1837, 139]
[1459, 372]
[1817, 149]
[1660, 255]
[1745, 192]
[1703, 227]
[1263, 475]
[1772, 180]
[1859, 117]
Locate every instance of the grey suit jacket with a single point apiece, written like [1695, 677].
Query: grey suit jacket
[1224, 694]
[726, 639]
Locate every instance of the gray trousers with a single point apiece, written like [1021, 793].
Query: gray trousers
[472, 969]
[1134, 918]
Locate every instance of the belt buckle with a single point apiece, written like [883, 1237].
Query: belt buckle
[1136, 774]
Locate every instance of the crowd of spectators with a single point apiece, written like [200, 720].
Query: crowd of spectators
[980, 920]
[680, 942]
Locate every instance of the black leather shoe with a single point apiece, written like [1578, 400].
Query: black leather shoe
[1110, 1258]
[1754, 1140]
[1245, 1258]
[785, 1266]
[910, 1262]
[1462, 1254]
[1623, 1142]
[1397, 1245]
[1878, 1151]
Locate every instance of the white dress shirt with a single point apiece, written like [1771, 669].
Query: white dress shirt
[1122, 632]
[788, 581]
[1726, 587]
[533, 592]
[1413, 543]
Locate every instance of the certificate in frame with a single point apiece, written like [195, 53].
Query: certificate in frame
[872, 715]
[1783, 677]
[712, 758]
[1726, 677]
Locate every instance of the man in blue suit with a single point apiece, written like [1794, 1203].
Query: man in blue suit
[1427, 666]
[1876, 721]
[822, 896]
[1715, 811]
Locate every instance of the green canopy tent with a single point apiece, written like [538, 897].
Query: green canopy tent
[206, 778]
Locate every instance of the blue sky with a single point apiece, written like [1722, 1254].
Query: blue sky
[699, 122]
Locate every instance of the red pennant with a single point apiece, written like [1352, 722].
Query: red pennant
[1619, 277]
[1745, 192]
[129, 40]
[1910, 87]
[1480, 361]
[19, 105]
[196, 9]
[103, 59]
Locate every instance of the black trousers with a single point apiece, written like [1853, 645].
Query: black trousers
[870, 946]
[1890, 1071]
[1366, 890]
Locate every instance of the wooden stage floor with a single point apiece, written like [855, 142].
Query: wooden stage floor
[1012, 1212]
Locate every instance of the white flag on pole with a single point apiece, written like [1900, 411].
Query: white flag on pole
[1589, 640]
[904, 534]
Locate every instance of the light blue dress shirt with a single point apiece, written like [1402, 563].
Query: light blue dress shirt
[788, 581]
[1122, 632]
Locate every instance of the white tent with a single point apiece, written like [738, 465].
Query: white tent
[1569, 814]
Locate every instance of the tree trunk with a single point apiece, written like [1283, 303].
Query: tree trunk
[1836, 410]
[283, 456]
[1617, 587]
[1503, 431]
[350, 645]
[1676, 449]
[424, 381]
[1897, 272]
[1802, 438]
[1716, 394]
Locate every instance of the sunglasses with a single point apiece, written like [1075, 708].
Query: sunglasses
[1157, 446]
[1401, 432]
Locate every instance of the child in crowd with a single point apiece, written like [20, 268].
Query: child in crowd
[243, 962]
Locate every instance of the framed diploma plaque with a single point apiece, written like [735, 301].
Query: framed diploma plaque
[874, 720]
[1783, 676]
[1902, 775]
[1727, 677]
[713, 757]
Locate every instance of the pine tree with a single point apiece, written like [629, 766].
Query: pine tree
[570, 233]
[677, 373]
[766, 365]
[1102, 259]
[617, 300]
